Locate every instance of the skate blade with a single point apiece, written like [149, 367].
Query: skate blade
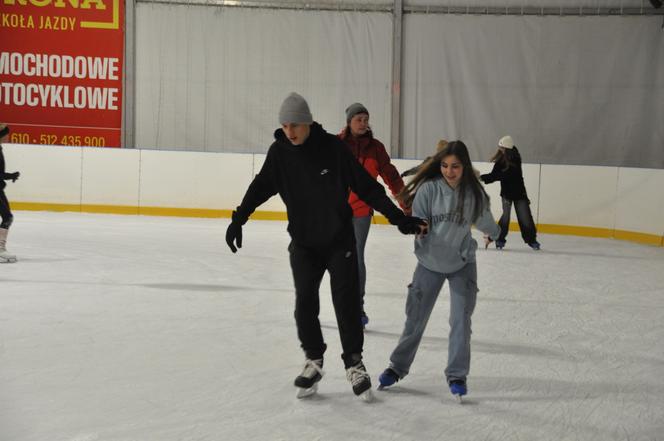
[10, 260]
[306, 392]
[366, 396]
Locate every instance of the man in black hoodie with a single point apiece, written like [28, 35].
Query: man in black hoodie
[313, 172]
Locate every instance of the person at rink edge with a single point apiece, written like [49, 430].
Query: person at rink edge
[412, 171]
[371, 153]
[5, 211]
[447, 193]
[507, 170]
[312, 172]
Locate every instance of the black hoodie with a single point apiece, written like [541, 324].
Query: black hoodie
[313, 180]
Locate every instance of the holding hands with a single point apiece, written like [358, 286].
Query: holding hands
[413, 225]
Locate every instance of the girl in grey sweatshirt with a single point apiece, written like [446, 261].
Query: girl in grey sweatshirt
[447, 193]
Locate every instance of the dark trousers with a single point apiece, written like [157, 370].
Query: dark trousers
[308, 266]
[5, 212]
[523, 215]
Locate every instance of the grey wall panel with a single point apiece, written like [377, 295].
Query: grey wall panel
[360, 5]
[570, 90]
[212, 79]
[589, 4]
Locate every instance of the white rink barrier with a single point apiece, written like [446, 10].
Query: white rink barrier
[618, 202]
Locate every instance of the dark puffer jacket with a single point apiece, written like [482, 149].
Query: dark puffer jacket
[511, 178]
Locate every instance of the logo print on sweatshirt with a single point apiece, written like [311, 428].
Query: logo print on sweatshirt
[348, 254]
[324, 171]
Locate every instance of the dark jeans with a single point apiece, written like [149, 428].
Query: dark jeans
[309, 265]
[523, 215]
[5, 212]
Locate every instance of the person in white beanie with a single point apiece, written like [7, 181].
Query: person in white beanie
[5, 211]
[312, 171]
[507, 170]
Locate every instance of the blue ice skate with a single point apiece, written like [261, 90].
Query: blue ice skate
[458, 389]
[387, 378]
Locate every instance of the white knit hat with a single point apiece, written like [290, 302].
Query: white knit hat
[506, 141]
[295, 109]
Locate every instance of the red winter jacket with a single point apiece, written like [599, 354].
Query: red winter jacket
[372, 155]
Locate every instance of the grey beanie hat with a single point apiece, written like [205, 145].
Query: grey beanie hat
[295, 109]
[353, 110]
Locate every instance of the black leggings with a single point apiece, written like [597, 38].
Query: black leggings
[5, 211]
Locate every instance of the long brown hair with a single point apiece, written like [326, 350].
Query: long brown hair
[430, 170]
[503, 157]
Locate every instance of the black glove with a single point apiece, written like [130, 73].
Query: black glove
[234, 233]
[14, 176]
[411, 225]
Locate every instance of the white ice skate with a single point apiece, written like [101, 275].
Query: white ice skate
[366, 396]
[359, 378]
[5, 257]
[307, 381]
[304, 393]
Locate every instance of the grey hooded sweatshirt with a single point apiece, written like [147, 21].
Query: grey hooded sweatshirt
[449, 245]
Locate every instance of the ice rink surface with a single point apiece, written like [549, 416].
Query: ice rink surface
[131, 328]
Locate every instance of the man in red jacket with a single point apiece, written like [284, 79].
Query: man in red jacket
[371, 153]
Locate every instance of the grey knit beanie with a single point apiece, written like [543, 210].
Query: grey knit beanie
[353, 110]
[295, 109]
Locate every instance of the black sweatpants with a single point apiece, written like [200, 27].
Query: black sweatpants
[5, 211]
[308, 266]
[523, 215]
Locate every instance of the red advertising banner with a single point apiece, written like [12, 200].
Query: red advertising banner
[61, 71]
